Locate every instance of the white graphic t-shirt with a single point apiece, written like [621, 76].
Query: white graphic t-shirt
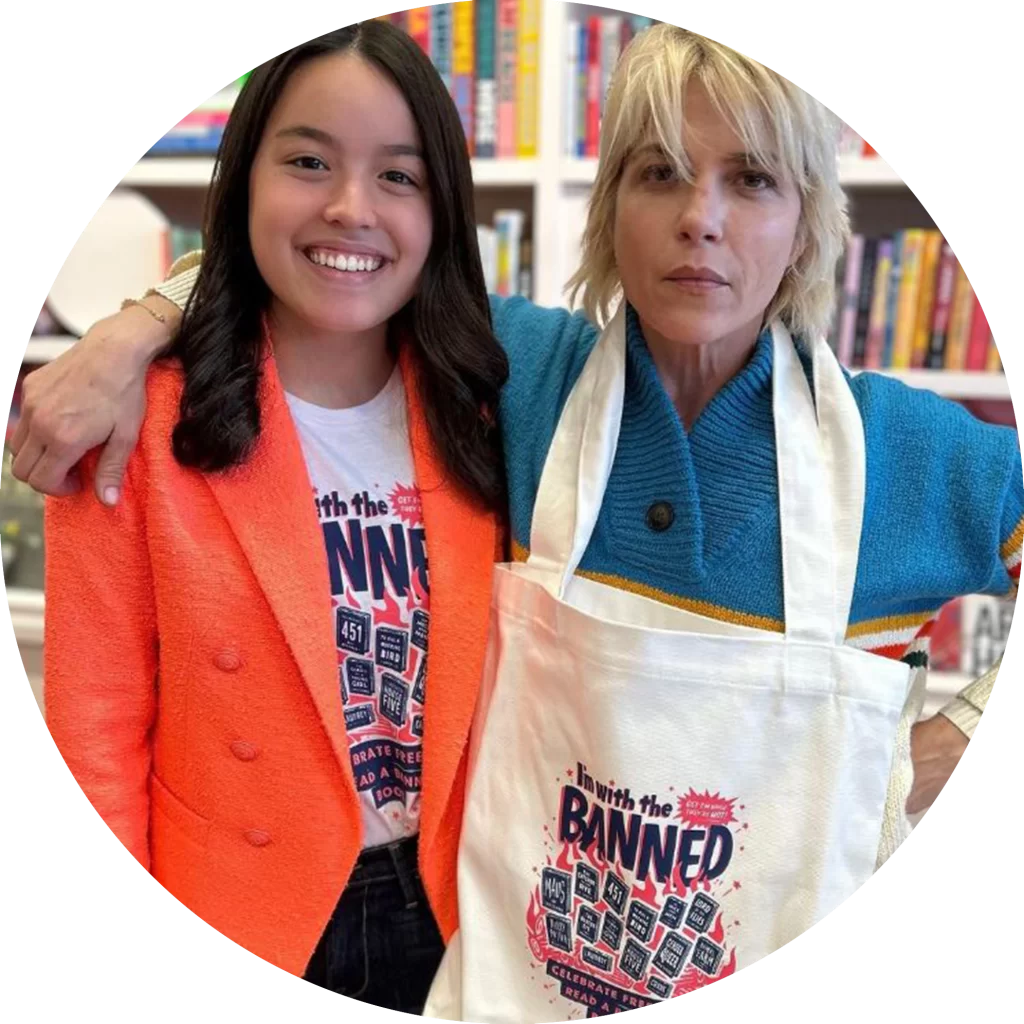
[360, 464]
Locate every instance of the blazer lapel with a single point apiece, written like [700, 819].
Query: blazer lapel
[268, 501]
[461, 541]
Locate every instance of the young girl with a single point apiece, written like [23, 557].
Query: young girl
[236, 657]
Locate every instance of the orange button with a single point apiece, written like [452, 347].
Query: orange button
[257, 837]
[244, 750]
[228, 661]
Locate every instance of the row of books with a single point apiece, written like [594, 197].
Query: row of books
[970, 634]
[506, 255]
[594, 45]
[199, 133]
[488, 54]
[907, 304]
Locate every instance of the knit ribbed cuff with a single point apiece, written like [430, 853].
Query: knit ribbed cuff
[963, 715]
[178, 287]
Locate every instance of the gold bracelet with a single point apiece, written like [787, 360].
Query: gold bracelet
[152, 312]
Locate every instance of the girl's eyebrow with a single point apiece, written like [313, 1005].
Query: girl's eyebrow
[305, 131]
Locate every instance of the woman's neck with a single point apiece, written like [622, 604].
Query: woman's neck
[693, 374]
[326, 368]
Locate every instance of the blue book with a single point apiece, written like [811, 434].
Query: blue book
[441, 42]
[485, 44]
[892, 298]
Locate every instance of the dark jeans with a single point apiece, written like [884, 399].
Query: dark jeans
[382, 945]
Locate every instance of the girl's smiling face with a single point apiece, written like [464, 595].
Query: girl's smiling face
[339, 203]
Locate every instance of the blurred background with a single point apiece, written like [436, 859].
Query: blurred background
[529, 77]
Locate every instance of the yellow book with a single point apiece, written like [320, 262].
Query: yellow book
[418, 26]
[906, 298]
[875, 341]
[528, 38]
[463, 49]
[926, 300]
[959, 322]
[462, 38]
[992, 362]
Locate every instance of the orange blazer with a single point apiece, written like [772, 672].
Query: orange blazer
[191, 677]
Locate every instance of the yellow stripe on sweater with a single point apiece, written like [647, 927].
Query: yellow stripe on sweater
[697, 607]
[1013, 543]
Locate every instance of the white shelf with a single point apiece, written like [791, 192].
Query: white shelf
[867, 172]
[854, 172]
[26, 614]
[44, 349]
[196, 172]
[954, 383]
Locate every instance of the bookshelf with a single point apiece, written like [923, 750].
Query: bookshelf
[552, 190]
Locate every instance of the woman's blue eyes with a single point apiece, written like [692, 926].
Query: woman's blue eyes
[754, 181]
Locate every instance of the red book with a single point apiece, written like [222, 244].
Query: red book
[593, 85]
[977, 346]
[418, 26]
[944, 654]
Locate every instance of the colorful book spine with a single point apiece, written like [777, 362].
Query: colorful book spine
[571, 97]
[993, 362]
[867, 284]
[875, 344]
[581, 89]
[527, 78]
[418, 26]
[626, 32]
[508, 18]
[959, 322]
[593, 115]
[944, 287]
[485, 114]
[611, 46]
[509, 225]
[907, 298]
[851, 292]
[400, 19]
[462, 43]
[891, 298]
[978, 342]
[926, 299]
[441, 42]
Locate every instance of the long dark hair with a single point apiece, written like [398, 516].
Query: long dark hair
[461, 367]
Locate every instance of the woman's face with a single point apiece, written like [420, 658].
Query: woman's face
[701, 262]
[339, 207]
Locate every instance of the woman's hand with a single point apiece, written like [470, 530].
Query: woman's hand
[936, 746]
[94, 394]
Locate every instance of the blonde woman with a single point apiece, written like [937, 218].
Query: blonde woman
[693, 737]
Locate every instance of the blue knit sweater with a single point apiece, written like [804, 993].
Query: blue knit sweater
[944, 502]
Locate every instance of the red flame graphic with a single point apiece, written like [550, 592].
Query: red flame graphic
[406, 504]
[704, 809]
[648, 894]
[718, 932]
[390, 614]
[535, 934]
[563, 861]
[416, 589]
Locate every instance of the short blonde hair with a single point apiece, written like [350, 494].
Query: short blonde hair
[785, 129]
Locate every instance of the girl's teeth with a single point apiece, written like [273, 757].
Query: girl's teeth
[346, 263]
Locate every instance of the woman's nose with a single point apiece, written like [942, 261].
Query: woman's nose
[351, 205]
[701, 212]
